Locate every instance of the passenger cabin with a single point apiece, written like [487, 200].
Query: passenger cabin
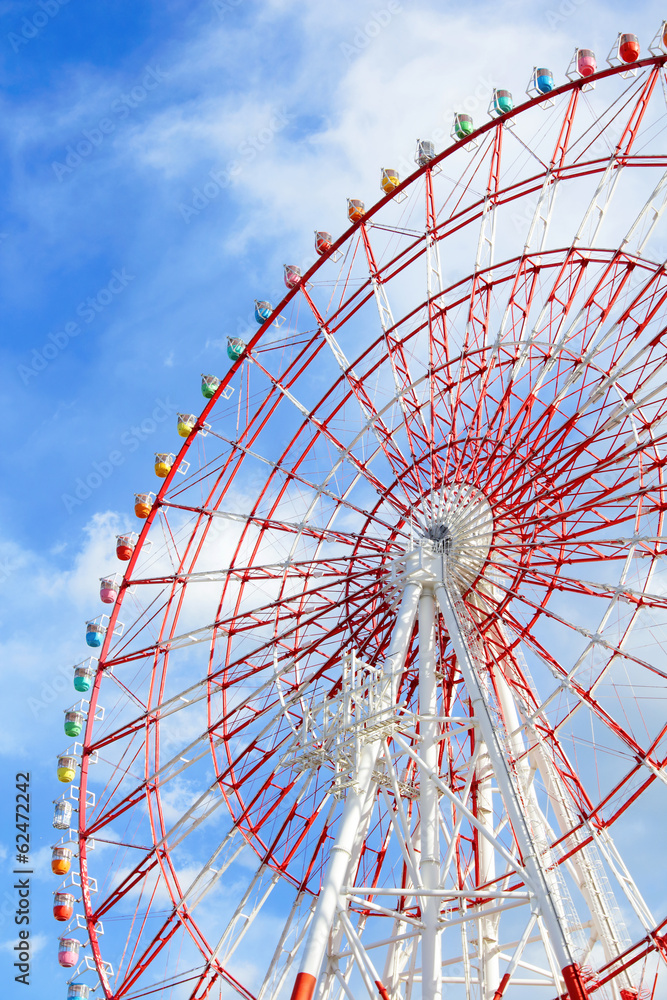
[143, 503]
[209, 384]
[163, 463]
[125, 545]
[355, 209]
[292, 275]
[83, 677]
[66, 769]
[108, 589]
[263, 310]
[323, 242]
[78, 991]
[61, 857]
[68, 952]
[63, 906]
[185, 424]
[502, 102]
[463, 126]
[94, 635]
[628, 48]
[74, 721]
[235, 348]
[62, 819]
[544, 80]
[389, 180]
[586, 63]
[425, 152]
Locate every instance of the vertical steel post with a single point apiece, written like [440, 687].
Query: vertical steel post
[429, 805]
[486, 872]
[341, 857]
[535, 874]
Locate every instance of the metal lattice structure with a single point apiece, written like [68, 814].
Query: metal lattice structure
[392, 673]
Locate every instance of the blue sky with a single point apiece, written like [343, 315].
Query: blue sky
[121, 277]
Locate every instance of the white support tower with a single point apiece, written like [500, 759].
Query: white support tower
[449, 928]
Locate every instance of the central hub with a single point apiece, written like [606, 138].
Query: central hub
[462, 531]
[454, 546]
[439, 535]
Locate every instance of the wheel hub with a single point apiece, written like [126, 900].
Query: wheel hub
[462, 531]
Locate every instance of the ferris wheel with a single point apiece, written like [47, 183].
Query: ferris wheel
[386, 710]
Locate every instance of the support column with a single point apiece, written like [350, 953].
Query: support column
[341, 857]
[486, 872]
[536, 878]
[429, 806]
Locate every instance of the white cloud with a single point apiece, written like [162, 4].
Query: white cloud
[37, 943]
[59, 605]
